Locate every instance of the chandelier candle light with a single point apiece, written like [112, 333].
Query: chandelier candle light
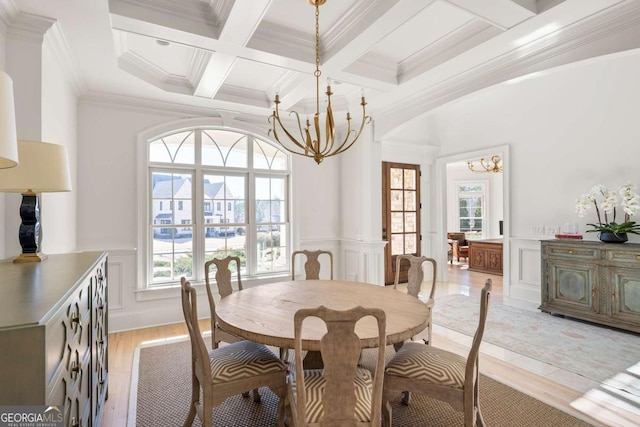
[309, 144]
[495, 165]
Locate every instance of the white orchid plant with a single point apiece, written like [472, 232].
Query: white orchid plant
[608, 199]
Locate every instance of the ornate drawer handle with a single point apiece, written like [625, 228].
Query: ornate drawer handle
[570, 252]
[75, 369]
[75, 318]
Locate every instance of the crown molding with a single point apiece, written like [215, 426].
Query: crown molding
[8, 11]
[243, 95]
[197, 66]
[137, 66]
[29, 27]
[536, 56]
[168, 108]
[221, 10]
[353, 19]
[191, 10]
[58, 44]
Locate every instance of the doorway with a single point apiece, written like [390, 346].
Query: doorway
[400, 215]
[497, 223]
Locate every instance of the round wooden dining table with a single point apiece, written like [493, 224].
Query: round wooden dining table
[265, 313]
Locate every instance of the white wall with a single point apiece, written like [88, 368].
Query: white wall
[59, 114]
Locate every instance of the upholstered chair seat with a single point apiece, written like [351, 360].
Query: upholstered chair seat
[428, 364]
[240, 360]
[314, 384]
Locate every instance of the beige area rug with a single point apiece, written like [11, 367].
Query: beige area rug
[593, 351]
[160, 392]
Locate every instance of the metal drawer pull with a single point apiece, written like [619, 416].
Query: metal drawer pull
[75, 369]
[75, 318]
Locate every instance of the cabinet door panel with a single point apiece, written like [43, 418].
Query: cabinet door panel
[573, 286]
[625, 295]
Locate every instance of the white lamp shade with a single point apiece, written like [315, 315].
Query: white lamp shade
[8, 138]
[43, 168]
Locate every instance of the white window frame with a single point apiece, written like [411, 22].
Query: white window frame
[483, 194]
[145, 255]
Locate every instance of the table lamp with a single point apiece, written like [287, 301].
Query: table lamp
[43, 168]
[8, 139]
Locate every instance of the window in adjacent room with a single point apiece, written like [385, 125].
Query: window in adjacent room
[231, 190]
[471, 209]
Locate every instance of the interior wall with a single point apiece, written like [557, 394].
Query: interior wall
[59, 125]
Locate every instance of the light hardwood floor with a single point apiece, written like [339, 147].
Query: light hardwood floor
[122, 346]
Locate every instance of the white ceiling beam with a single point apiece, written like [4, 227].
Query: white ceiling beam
[242, 22]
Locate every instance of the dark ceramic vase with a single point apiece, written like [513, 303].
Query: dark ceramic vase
[613, 237]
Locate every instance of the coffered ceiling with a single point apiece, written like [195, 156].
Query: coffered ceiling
[407, 56]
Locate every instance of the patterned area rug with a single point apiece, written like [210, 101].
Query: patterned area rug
[593, 351]
[161, 388]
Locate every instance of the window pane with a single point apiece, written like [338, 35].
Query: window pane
[272, 248]
[226, 241]
[397, 244]
[168, 188]
[224, 148]
[410, 243]
[409, 179]
[266, 156]
[409, 222]
[270, 200]
[225, 196]
[176, 148]
[396, 178]
[397, 222]
[396, 200]
[172, 257]
[409, 200]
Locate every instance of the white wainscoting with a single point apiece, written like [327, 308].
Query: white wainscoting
[525, 276]
[363, 261]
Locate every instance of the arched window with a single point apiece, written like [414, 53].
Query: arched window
[211, 193]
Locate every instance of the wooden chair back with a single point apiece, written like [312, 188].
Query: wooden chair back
[225, 288]
[459, 246]
[312, 263]
[415, 276]
[340, 349]
[199, 353]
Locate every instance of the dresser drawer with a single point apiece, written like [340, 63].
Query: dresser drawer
[572, 251]
[624, 256]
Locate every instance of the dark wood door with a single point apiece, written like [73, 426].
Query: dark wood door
[400, 215]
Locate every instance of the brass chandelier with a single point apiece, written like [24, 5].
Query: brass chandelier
[494, 166]
[310, 143]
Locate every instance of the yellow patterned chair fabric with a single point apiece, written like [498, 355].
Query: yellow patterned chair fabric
[228, 370]
[340, 393]
[439, 374]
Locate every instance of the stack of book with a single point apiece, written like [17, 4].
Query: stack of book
[573, 236]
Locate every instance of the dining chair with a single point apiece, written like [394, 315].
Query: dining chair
[439, 374]
[341, 393]
[225, 288]
[414, 283]
[460, 246]
[312, 263]
[227, 370]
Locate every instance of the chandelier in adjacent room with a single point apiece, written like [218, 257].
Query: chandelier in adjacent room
[314, 141]
[495, 165]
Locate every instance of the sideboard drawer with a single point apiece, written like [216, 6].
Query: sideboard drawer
[573, 252]
[631, 257]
